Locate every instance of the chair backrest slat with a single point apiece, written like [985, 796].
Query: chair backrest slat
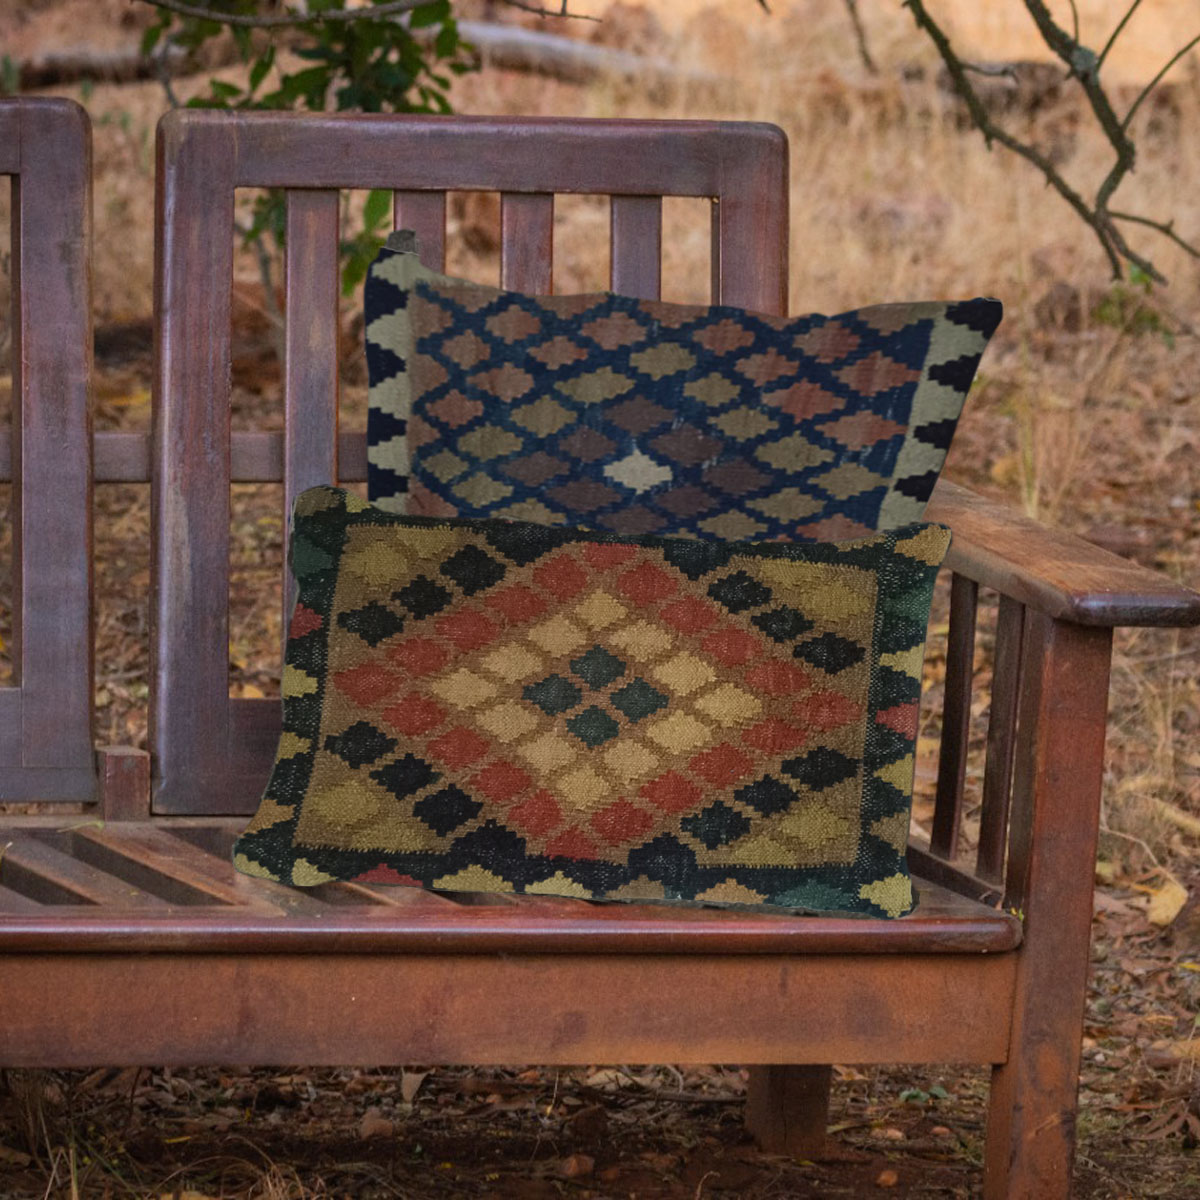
[425, 214]
[526, 242]
[636, 223]
[189, 712]
[213, 753]
[46, 750]
[310, 379]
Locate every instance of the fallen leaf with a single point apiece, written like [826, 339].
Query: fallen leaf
[374, 1124]
[887, 1179]
[576, 1165]
[1164, 1053]
[1166, 902]
[410, 1084]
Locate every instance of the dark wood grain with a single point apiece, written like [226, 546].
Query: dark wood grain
[787, 1108]
[1053, 571]
[1056, 812]
[124, 783]
[1001, 739]
[956, 718]
[425, 214]
[636, 264]
[189, 720]
[181, 1008]
[310, 379]
[527, 242]
[48, 154]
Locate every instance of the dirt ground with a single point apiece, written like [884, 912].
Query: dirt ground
[1086, 413]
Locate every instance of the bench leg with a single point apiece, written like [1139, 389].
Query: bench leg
[787, 1109]
[1052, 854]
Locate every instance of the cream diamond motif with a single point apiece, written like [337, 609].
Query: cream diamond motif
[638, 472]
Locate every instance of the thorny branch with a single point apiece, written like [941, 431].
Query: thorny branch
[1083, 65]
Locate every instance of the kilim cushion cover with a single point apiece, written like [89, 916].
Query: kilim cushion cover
[388, 344]
[503, 706]
[639, 417]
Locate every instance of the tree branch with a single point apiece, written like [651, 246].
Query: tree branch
[860, 33]
[1157, 80]
[1166, 228]
[1116, 33]
[1084, 65]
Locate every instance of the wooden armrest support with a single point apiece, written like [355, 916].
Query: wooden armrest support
[1055, 572]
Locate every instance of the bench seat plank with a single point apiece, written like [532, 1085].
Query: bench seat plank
[215, 909]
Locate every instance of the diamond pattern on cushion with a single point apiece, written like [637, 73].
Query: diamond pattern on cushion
[582, 715]
[580, 381]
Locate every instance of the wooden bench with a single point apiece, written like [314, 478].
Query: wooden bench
[126, 935]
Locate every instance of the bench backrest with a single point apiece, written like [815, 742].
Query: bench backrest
[46, 713]
[212, 752]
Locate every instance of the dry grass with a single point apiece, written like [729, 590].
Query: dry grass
[1085, 412]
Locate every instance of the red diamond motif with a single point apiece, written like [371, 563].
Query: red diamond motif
[621, 822]
[517, 603]
[731, 647]
[385, 874]
[367, 683]
[561, 576]
[574, 843]
[774, 737]
[537, 815]
[689, 615]
[414, 715]
[823, 711]
[900, 717]
[603, 555]
[458, 747]
[304, 620]
[647, 583]
[468, 630]
[501, 781]
[778, 678]
[721, 765]
[419, 656]
[671, 792]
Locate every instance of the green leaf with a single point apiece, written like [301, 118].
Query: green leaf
[377, 208]
[224, 91]
[151, 36]
[262, 65]
[429, 14]
[447, 40]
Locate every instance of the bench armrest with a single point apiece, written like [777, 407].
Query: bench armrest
[1054, 572]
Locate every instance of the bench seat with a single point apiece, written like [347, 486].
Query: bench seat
[134, 885]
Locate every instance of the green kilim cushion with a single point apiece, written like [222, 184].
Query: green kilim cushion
[503, 706]
[637, 416]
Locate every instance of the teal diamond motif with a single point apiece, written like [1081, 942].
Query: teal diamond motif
[638, 699]
[553, 695]
[598, 668]
[593, 727]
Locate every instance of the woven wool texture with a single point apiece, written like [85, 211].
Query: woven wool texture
[387, 340]
[501, 706]
[644, 417]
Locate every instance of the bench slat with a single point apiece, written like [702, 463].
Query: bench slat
[636, 268]
[425, 214]
[216, 909]
[194, 878]
[310, 381]
[37, 868]
[526, 242]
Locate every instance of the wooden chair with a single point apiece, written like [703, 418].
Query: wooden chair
[130, 939]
